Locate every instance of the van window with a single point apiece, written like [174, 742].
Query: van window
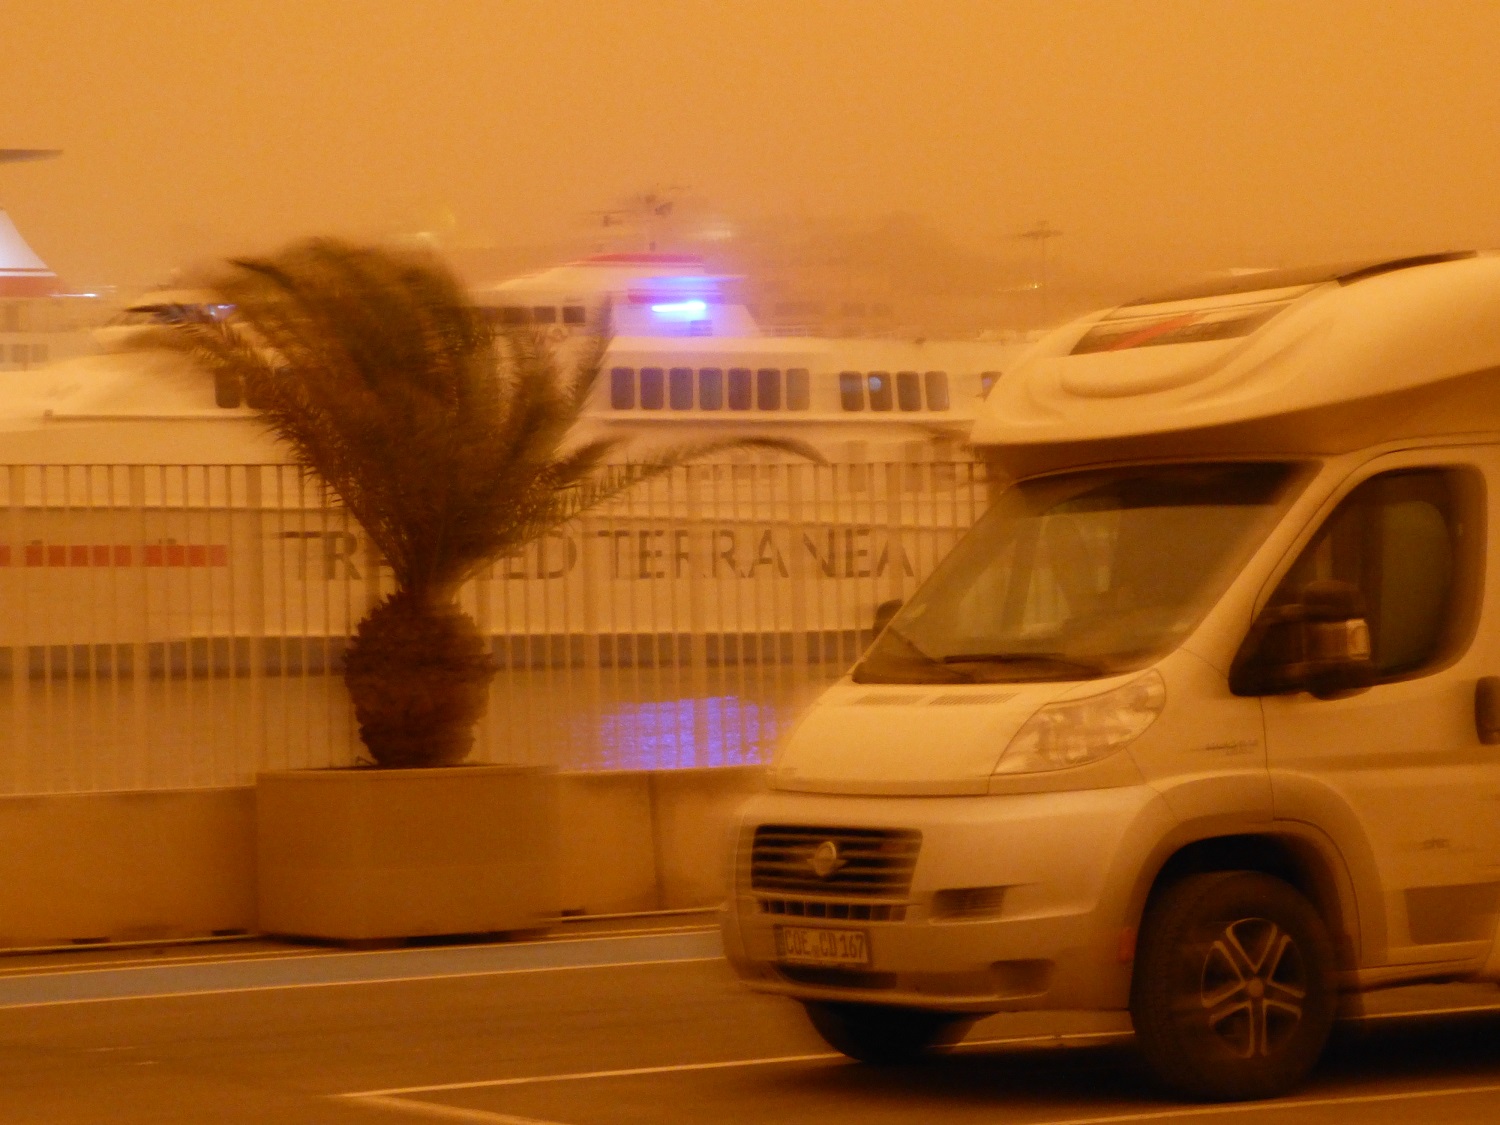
[851, 390]
[1081, 575]
[622, 387]
[1400, 539]
[711, 388]
[798, 389]
[680, 388]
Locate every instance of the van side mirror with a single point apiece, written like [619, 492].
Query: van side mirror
[1319, 643]
[883, 614]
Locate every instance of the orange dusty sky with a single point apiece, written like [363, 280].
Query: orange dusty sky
[1161, 136]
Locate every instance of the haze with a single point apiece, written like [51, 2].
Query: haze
[1161, 137]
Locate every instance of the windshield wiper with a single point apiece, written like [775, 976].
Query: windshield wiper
[906, 652]
[1022, 657]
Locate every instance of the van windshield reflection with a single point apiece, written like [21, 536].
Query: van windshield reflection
[1082, 575]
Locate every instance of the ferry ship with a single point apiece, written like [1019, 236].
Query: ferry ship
[684, 362]
[175, 596]
[141, 504]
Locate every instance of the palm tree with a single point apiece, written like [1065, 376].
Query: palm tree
[448, 443]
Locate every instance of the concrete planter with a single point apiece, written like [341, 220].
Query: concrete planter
[372, 854]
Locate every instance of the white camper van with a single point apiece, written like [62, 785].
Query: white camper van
[1200, 721]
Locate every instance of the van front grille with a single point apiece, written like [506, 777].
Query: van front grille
[843, 862]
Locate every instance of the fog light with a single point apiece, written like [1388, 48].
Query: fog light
[966, 903]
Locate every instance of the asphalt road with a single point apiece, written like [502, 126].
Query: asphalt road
[605, 1030]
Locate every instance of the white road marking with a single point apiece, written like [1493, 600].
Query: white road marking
[723, 1064]
[1054, 1039]
[1470, 1009]
[450, 1112]
[333, 954]
[351, 983]
[583, 1075]
[1279, 1104]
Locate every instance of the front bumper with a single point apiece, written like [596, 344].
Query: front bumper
[1015, 902]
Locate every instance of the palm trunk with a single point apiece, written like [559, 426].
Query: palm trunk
[418, 673]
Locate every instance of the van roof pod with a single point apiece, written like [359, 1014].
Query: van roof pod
[1251, 281]
[1284, 362]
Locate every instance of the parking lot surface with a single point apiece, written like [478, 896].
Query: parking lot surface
[608, 1029]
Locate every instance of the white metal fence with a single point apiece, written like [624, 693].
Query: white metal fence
[180, 626]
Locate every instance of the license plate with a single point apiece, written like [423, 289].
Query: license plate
[819, 945]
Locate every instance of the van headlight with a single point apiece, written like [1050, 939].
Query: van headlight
[1084, 730]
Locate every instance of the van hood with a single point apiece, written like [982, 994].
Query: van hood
[907, 739]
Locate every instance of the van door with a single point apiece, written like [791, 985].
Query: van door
[1394, 773]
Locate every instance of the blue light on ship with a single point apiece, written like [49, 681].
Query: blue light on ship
[681, 310]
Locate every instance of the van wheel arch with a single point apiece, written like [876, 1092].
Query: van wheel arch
[1294, 859]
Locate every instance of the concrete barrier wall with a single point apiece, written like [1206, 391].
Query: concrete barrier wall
[164, 865]
[126, 866]
[648, 840]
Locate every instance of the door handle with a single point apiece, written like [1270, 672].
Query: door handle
[1487, 709]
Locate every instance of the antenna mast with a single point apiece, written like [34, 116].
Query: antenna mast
[1041, 234]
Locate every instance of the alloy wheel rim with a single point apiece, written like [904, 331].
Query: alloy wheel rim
[1253, 987]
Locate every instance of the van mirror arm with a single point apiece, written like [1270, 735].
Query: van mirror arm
[883, 614]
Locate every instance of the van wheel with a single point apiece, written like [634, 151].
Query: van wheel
[1234, 993]
[880, 1035]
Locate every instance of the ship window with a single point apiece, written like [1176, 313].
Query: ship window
[908, 390]
[229, 390]
[575, 314]
[680, 388]
[513, 316]
[880, 390]
[852, 390]
[937, 390]
[987, 381]
[18, 353]
[854, 308]
[798, 389]
[653, 388]
[739, 388]
[768, 388]
[622, 387]
[711, 388]
[544, 314]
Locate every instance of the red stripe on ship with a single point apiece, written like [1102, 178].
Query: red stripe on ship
[118, 554]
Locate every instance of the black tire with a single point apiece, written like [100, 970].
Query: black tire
[1234, 990]
[881, 1036]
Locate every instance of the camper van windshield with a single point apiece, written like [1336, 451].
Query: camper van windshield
[1081, 575]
